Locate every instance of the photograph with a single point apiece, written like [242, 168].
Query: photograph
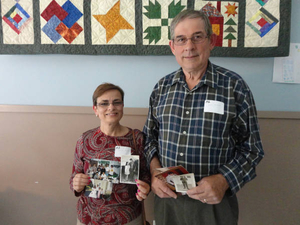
[184, 182]
[99, 189]
[103, 173]
[130, 165]
[167, 175]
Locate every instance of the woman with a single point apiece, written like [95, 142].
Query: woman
[127, 167]
[93, 193]
[124, 205]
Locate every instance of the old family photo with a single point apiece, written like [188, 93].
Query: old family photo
[184, 182]
[105, 173]
[177, 178]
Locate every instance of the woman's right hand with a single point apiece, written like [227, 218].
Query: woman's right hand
[80, 181]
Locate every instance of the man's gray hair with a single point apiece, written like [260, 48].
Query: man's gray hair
[190, 14]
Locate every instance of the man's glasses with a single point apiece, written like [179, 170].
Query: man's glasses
[106, 104]
[196, 39]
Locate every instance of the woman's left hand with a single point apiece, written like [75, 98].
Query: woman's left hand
[143, 190]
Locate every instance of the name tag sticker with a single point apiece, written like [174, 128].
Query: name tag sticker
[122, 150]
[214, 107]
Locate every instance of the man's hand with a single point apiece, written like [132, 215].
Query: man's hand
[160, 188]
[157, 186]
[210, 190]
[80, 181]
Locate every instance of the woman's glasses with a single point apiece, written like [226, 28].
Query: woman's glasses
[107, 104]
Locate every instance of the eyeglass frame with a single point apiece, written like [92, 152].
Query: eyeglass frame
[191, 38]
[107, 104]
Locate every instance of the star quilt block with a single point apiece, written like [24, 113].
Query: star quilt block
[113, 22]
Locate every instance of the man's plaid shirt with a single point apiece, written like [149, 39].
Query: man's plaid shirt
[181, 133]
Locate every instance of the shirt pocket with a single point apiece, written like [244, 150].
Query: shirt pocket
[217, 129]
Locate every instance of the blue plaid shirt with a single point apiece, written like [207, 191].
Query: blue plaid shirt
[205, 143]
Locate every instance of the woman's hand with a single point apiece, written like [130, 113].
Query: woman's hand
[143, 190]
[80, 181]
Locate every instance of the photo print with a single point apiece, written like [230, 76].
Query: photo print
[167, 175]
[103, 174]
[184, 182]
[130, 167]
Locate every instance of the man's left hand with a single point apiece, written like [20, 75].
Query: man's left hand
[210, 190]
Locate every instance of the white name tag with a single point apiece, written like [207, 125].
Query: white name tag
[122, 150]
[214, 107]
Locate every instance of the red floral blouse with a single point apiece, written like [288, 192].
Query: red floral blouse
[122, 207]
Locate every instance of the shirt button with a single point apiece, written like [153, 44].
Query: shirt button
[187, 112]
[181, 154]
[184, 132]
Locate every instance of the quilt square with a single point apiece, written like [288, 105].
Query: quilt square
[62, 22]
[113, 22]
[157, 16]
[17, 22]
[262, 23]
[223, 16]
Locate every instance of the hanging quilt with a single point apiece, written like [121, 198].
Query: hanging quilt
[244, 28]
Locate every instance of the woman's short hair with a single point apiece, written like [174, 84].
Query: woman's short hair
[190, 14]
[103, 88]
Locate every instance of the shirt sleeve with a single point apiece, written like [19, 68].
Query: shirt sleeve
[248, 147]
[78, 166]
[144, 171]
[151, 131]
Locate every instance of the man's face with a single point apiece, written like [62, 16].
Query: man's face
[192, 57]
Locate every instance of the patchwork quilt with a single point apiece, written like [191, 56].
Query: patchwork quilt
[244, 28]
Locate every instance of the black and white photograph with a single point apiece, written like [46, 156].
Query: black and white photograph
[184, 182]
[130, 165]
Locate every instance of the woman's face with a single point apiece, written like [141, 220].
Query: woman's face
[109, 107]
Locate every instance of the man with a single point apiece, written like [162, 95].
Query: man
[202, 117]
[184, 182]
[131, 173]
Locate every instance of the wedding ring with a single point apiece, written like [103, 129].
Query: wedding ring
[204, 200]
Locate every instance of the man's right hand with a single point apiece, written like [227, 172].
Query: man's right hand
[160, 188]
[80, 181]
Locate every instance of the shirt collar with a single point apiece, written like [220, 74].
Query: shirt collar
[210, 77]
[178, 77]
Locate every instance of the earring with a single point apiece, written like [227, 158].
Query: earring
[96, 115]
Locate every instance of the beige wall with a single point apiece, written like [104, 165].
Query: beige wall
[37, 146]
